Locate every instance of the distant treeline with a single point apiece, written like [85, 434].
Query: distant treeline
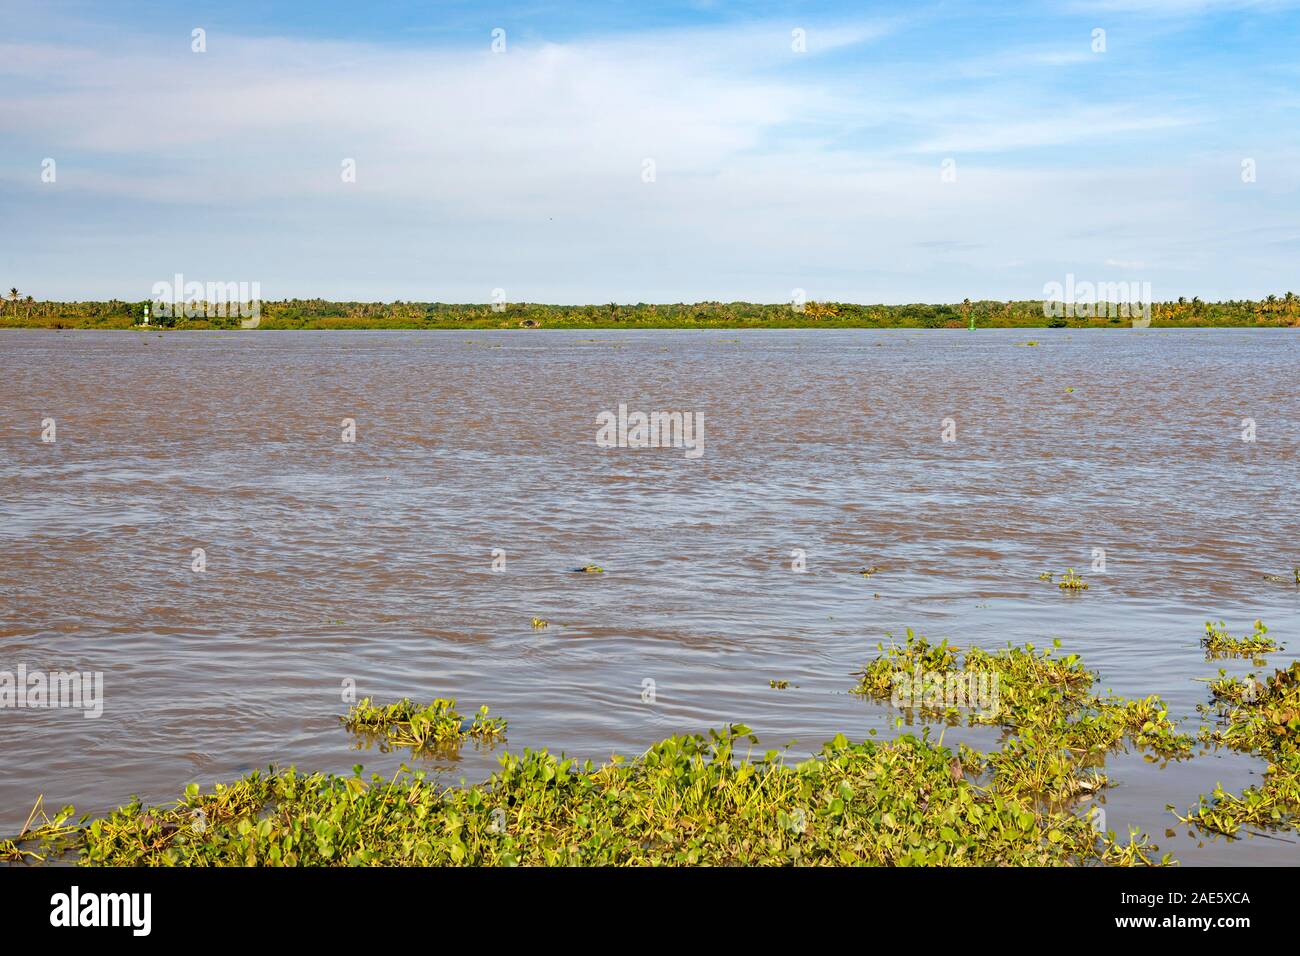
[1284, 310]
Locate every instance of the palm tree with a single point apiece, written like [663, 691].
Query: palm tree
[30, 302]
[13, 294]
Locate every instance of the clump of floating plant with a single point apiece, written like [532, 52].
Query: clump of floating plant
[34, 842]
[778, 684]
[1072, 582]
[688, 800]
[916, 655]
[590, 569]
[539, 623]
[868, 572]
[1227, 689]
[434, 726]
[1261, 718]
[1219, 643]
[1047, 576]
[1061, 728]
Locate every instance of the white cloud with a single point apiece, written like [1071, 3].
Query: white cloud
[1048, 128]
[523, 170]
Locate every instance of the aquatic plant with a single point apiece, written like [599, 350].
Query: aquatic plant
[867, 572]
[434, 726]
[1072, 582]
[591, 569]
[1278, 579]
[689, 800]
[1230, 689]
[1219, 643]
[1261, 718]
[778, 684]
[1060, 727]
[539, 623]
[877, 678]
[33, 841]
[1047, 576]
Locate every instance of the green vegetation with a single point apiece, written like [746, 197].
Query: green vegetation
[1218, 643]
[320, 314]
[1060, 729]
[688, 800]
[1261, 719]
[1072, 582]
[591, 569]
[778, 684]
[711, 800]
[49, 837]
[1069, 580]
[436, 726]
[539, 623]
[877, 678]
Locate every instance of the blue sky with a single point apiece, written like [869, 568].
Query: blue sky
[774, 168]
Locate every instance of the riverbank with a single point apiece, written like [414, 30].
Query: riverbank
[1276, 311]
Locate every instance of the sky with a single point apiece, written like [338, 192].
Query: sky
[650, 152]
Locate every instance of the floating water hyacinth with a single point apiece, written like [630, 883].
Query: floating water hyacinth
[1219, 643]
[688, 800]
[435, 725]
[1072, 582]
[1278, 579]
[1060, 726]
[1260, 718]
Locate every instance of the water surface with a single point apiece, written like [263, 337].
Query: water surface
[371, 562]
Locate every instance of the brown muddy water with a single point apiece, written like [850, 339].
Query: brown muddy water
[371, 561]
